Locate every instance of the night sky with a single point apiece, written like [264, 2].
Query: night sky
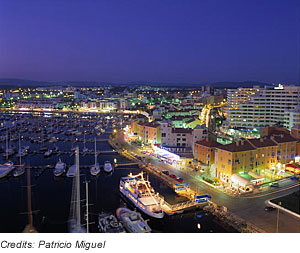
[147, 40]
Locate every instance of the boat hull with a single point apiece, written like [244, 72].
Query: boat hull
[5, 170]
[58, 173]
[19, 172]
[94, 171]
[138, 204]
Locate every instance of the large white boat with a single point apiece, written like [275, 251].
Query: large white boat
[60, 168]
[132, 221]
[107, 167]
[6, 168]
[141, 194]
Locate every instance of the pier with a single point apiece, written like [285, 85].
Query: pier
[125, 164]
[181, 207]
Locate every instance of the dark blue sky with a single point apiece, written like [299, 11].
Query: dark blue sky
[158, 41]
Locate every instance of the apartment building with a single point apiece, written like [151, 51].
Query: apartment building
[240, 95]
[204, 151]
[149, 132]
[181, 140]
[269, 152]
[266, 107]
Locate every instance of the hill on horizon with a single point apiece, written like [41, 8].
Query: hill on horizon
[7, 82]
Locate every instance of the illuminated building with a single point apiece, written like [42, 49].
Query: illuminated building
[267, 107]
[269, 152]
[149, 132]
[204, 151]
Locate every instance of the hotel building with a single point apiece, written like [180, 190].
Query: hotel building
[266, 107]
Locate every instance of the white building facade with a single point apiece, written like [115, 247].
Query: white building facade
[270, 106]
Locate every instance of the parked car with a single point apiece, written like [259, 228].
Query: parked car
[172, 176]
[269, 208]
[166, 172]
[274, 184]
[179, 179]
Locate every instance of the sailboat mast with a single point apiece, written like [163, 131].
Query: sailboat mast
[30, 219]
[87, 205]
[84, 141]
[77, 190]
[95, 152]
[20, 150]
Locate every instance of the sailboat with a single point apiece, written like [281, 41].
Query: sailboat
[9, 151]
[95, 169]
[85, 149]
[60, 168]
[75, 214]
[72, 170]
[21, 169]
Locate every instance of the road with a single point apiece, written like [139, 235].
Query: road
[250, 208]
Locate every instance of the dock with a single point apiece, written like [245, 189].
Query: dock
[181, 207]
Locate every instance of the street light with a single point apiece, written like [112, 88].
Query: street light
[279, 203]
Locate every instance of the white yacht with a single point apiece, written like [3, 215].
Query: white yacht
[132, 221]
[95, 169]
[20, 170]
[71, 171]
[6, 168]
[60, 168]
[141, 194]
[108, 167]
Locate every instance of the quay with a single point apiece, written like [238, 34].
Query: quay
[169, 209]
[221, 213]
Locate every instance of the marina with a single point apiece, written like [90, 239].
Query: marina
[51, 195]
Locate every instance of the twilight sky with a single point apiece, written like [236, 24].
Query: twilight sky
[190, 41]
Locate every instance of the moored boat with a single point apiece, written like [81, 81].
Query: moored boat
[107, 167]
[132, 221]
[141, 194]
[6, 168]
[48, 153]
[71, 171]
[95, 169]
[108, 223]
[19, 171]
[60, 168]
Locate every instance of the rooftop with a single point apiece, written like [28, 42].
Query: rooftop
[208, 143]
[238, 146]
[262, 142]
